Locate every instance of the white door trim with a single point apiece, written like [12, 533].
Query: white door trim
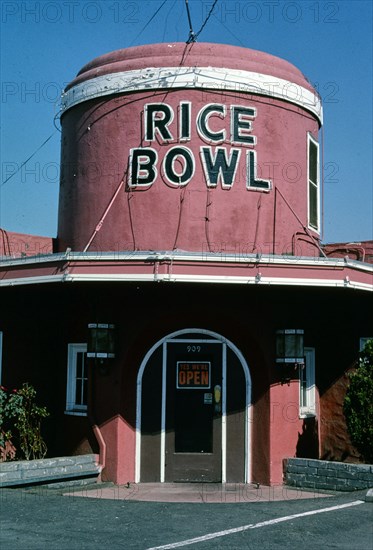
[171, 338]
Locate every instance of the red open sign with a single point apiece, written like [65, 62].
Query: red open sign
[193, 375]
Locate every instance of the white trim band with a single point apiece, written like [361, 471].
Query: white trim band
[223, 257]
[209, 78]
[189, 278]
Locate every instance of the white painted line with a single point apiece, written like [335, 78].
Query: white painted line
[253, 526]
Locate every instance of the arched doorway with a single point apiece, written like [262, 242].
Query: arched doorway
[193, 416]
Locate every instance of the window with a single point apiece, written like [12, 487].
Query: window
[363, 341]
[313, 184]
[76, 392]
[307, 393]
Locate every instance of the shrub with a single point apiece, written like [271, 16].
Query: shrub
[20, 424]
[358, 404]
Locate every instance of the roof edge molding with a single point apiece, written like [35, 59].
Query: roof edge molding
[203, 78]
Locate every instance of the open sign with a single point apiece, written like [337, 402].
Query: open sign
[193, 375]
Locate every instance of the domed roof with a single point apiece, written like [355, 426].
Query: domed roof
[192, 55]
[196, 65]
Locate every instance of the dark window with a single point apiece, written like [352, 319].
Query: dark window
[313, 184]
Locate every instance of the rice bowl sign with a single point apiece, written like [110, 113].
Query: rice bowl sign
[219, 163]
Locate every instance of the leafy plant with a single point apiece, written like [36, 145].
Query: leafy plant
[20, 423]
[358, 404]
[9, 404]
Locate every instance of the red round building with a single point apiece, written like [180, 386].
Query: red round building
[189, 242]
[212, 143]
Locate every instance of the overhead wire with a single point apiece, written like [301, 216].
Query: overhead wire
[192, 35]
[29, 158]
[148, 23]
[166, 20]
[192, 38]
[225, 26]
[56, 116]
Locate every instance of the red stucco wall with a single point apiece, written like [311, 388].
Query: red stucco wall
[19, 244]
[99, 134]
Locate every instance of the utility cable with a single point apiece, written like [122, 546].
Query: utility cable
[230, 32]
[29, 158]
[150, 20]
[193, 36]
[166, 21]
[300, 221]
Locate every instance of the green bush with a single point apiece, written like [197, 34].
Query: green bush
[20, 424]
[358, 404]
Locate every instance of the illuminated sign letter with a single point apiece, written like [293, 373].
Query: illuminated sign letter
[202, 122]
[219, 167]
[157, 117]
[184, 133]
[252, 181]
[143, 171]
[240, 126]
[185, 158]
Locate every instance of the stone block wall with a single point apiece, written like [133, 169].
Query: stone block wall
[323, 474]
[27, 472]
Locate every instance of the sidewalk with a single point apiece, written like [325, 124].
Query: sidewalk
[195, 492]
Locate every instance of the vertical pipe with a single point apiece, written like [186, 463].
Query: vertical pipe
[224, 416]
[163, 415]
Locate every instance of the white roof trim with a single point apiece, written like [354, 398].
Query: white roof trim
[207, 257]
[343, 282]
[16, 281]
[209, 78]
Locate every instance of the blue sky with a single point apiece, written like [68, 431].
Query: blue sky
[45, 43]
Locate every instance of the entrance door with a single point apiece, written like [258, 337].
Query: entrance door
[193, 418]
[193, 411]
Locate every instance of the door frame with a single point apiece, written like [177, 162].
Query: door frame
[214, 338]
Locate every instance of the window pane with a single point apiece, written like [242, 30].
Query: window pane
[303, 386]
[78, 392]
[84, 396]
[79, 364]
[313, 207]
[84, 365]
[313, 162]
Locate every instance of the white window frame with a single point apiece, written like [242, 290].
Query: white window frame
[307, 402]
[72, 407]
[363, 340]
[316, 184]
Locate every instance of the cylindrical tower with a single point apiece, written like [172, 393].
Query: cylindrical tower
[199, 147]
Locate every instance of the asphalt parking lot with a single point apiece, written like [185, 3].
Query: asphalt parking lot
[38, 518]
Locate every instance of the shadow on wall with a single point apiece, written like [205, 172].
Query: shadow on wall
[335, 440]
[308, 440]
